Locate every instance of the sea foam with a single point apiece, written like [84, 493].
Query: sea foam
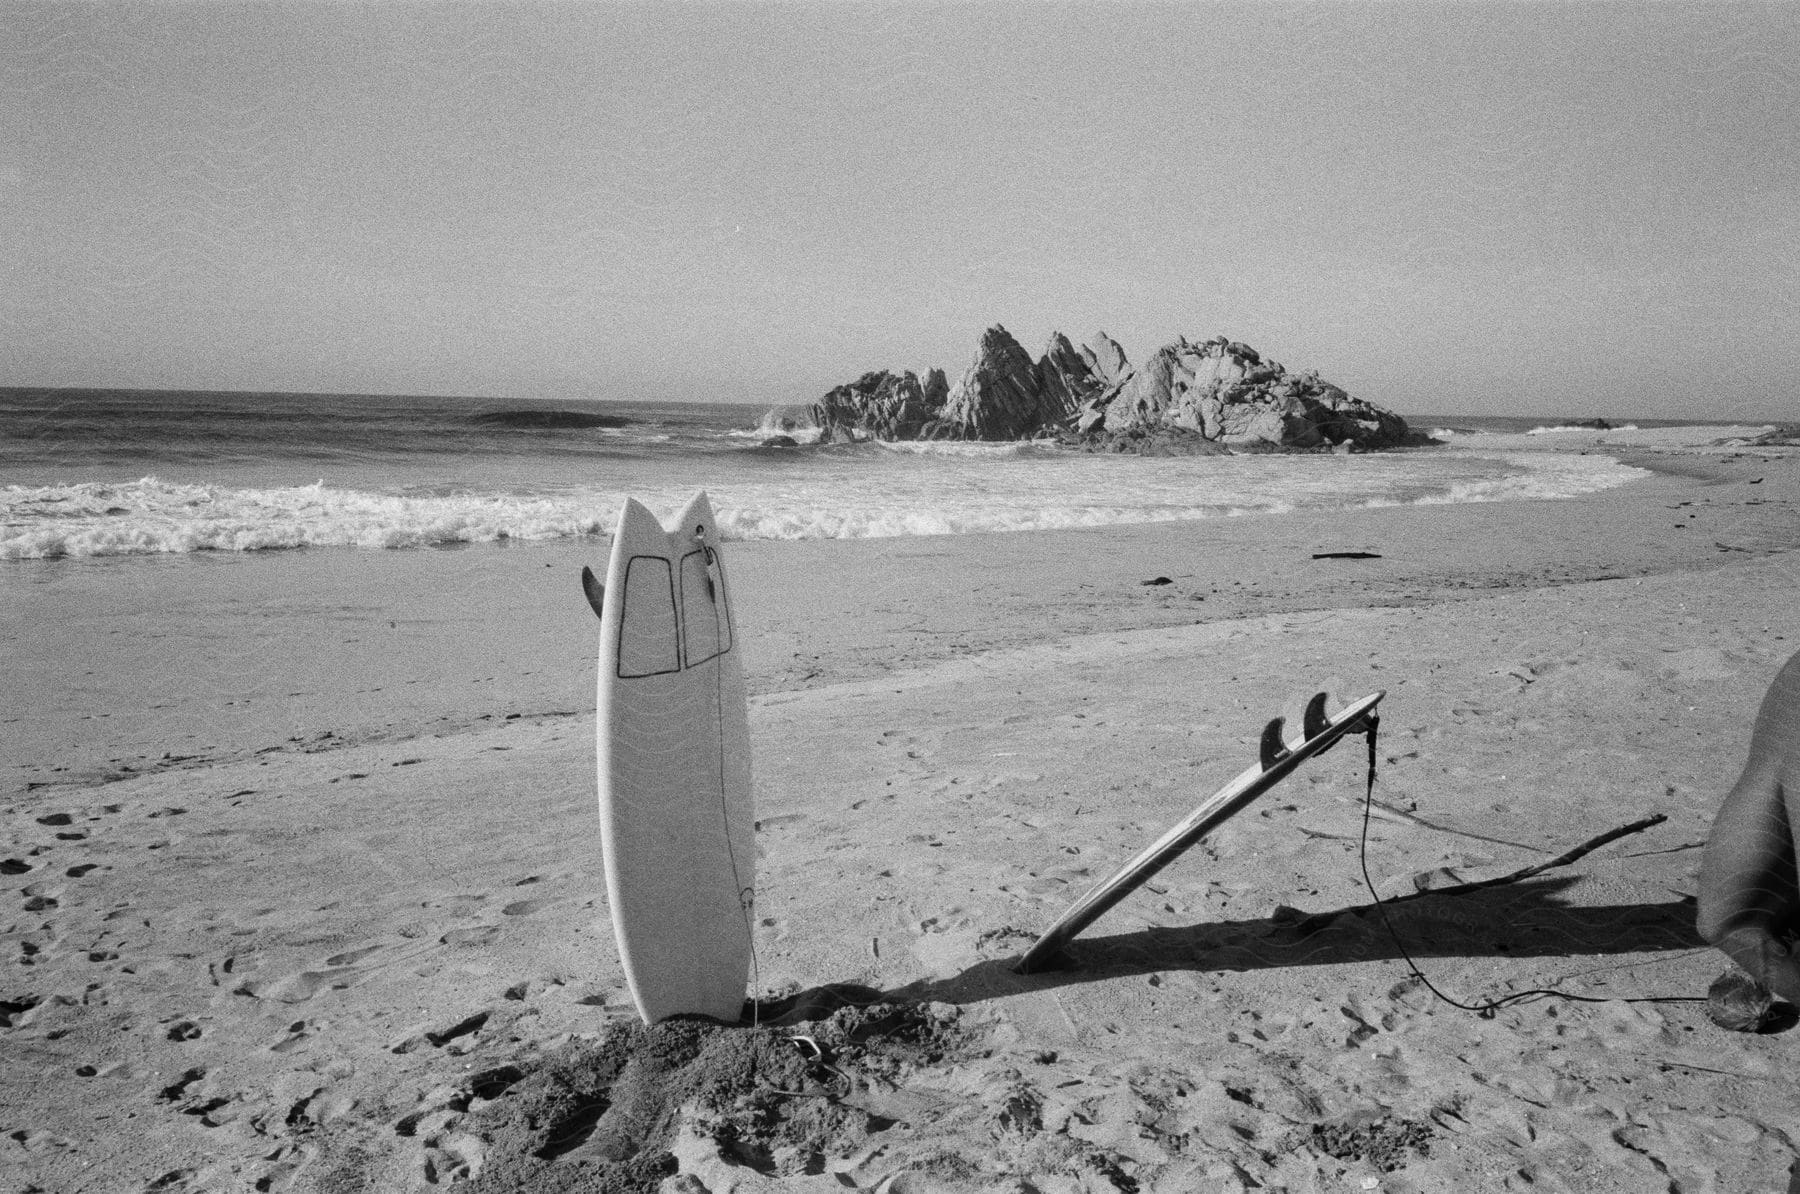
[861, 492]
[150, 516]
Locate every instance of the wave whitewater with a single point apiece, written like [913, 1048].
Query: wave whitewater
[150, 516]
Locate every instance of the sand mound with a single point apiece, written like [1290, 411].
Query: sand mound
[611, 1115]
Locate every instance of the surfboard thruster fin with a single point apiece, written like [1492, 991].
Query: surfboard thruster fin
[1316, 721]
[596, 592]
[1273, 748]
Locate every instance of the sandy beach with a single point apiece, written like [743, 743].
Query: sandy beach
[302, 887]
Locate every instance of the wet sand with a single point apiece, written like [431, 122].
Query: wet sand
[296, 848]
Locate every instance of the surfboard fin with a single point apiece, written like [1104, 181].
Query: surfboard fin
[1315, 720]
[596, 592]
[1273, 748]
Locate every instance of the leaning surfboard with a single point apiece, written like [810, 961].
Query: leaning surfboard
[676, 820]
[1278, 761]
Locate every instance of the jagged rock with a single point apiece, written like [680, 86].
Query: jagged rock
[877, 405]
[1210, 396]
[997, 398]
[1157, 441]
[1229, 394]
[1136, 402]
[1105, 359]
[1066, 380]
[937, 389]
[1346, 420]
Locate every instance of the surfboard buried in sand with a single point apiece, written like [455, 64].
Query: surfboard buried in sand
[1278, 760]
[673, 746]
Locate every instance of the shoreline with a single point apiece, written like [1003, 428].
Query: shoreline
[358, 641]
[260, 965]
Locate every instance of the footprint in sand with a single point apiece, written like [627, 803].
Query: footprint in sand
[40, 897]
[463, 899]
[450, 1035]
[295, 1036]
[476, 936]
[298, 988]
[15, 1013]
[177, 1089]
[351, 957]
[194, 1094]
[336, 973]
[533, 987]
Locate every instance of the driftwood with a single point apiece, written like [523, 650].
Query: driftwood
[1563, 859]
[1312, 924]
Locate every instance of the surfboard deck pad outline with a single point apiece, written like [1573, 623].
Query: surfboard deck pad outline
[672, 749]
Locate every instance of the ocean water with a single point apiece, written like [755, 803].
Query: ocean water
[131, 473]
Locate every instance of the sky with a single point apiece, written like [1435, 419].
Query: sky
[1481, 208]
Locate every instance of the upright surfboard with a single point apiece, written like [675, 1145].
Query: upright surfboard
[676, 820]
[1278, 760]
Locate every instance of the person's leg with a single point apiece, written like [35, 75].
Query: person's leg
[1749, 887]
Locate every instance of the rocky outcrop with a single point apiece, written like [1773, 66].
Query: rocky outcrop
[1066, 380]
[877, 405]
[1216, 395]
[1106, 359]
[999, 397]
[1229, 394]
[1005, 395]
[937, 390]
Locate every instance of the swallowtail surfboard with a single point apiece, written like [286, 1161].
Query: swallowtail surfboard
[673, 746]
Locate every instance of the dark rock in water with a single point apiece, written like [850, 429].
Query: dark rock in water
[780, 441]
[877, 405]
[1151, 441]
[1782, 435]
[547, 420]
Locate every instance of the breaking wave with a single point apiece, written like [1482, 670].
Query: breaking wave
[1565, 428]
[911, 490]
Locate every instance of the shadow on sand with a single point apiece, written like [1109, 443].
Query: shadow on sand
[1528, 919]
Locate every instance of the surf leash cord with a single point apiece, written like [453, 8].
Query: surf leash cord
[1488, 1008]
[715, 589]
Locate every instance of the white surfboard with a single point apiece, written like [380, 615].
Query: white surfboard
[676, 819]
[1279, 759]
